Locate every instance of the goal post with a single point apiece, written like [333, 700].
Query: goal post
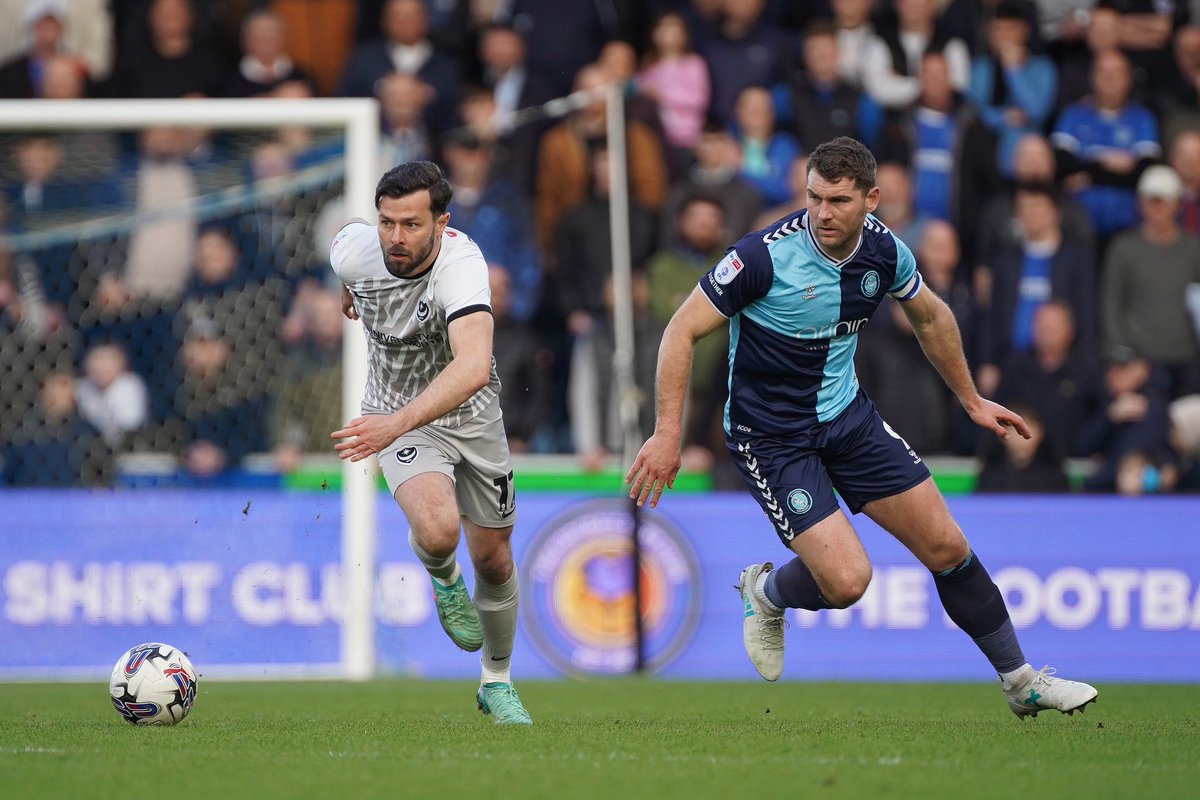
[359, 119]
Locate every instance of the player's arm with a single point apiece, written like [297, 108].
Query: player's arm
[937, 331]
[468, 372]
[657, 463]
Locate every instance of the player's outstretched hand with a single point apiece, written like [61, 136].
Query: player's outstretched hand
[998, 419]
[348, 305]
[654, 469]
[365, 436]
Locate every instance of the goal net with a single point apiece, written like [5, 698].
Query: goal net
[164, 289]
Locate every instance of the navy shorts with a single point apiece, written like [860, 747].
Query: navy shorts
[793, 477]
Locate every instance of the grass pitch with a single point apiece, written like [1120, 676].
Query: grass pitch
[613, 739]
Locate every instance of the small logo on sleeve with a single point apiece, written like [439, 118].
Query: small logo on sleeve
[729, 268]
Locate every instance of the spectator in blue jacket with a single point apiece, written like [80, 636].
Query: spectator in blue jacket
[767, 153]
[1013, 88]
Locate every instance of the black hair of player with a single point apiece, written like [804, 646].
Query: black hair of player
[413, 176]
[844, 157]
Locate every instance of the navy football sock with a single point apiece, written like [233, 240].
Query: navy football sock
[974, 602]
[793, 586]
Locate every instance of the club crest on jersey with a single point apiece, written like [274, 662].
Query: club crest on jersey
[799, 501]
[422, 311]
[870, 284]
[406, 455]
[729, 268]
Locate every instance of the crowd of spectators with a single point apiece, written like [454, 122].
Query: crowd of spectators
[1040, 157]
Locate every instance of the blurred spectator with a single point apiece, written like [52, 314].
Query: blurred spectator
[619, 61]
[1101, 33]
[1184, 436]
[676, 76]
[1178, 99]
[564, 161]
[166, 57]
[716, 172]
[1062, 24]
[895, 58]
[743, 50]
[403, 101]
[111, 397]
[1128, 431]
[891, 366]
[673, 273]
[405, 48]
[767, 153]
[1103, 142]
[1146, 28]
[1056, 377]
[595, 401]
[1147, 272]
[55, 446]
[265, 65]
[563, 35]
[1045, 266]
[25, 77]
[949, 151]
[87, 30]
[1013, 88]
[1033, 162]
[798, 186]
[493, 212]
[502, 54]
[896, 208]
[524, 365]
[855, 32]
[308, 405]
[1026, 466]
[821, 104]
[1185, 160]
[583, 248]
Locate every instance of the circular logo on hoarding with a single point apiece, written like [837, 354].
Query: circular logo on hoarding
[870, 283]
[577, 589]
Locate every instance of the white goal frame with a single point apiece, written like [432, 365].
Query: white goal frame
[359, 118]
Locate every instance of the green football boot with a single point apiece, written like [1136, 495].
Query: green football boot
[501, 701]
[457, 614]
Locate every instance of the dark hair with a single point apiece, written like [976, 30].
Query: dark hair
[844, 157]
[1042, 188]
[413, 176]
[820, 27]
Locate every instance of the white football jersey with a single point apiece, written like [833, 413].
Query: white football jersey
[406, 319]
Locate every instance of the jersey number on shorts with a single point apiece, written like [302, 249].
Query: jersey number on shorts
[504, 484]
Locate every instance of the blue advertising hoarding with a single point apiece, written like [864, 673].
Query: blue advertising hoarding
[1103, 588]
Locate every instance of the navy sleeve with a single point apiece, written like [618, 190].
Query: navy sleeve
[744, 275]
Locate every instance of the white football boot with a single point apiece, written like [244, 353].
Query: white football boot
[1038, 691]
[762, 628]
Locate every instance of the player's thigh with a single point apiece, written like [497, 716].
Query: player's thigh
[921, 521]
[483, 475]
[420, 473]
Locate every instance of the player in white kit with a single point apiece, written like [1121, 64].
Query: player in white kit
[431, 411]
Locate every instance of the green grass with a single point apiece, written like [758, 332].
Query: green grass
[616, 739]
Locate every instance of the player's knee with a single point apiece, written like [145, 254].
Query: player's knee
[495, 565]
[947, 553]
[848, 588]
[437, 538]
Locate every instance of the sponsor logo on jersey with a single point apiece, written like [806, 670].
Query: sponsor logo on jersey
[729, 268]
[870, 284]
[810, 292]
[578, 600]
[416, 340]
[831, 330]
[422, 311]
[799, 501]
[406, 455]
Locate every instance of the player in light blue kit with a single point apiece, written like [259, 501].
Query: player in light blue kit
[795, 296]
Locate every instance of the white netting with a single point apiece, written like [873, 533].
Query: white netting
[165, 290]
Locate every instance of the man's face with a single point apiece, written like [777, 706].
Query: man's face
[837, 210]
[408, 233]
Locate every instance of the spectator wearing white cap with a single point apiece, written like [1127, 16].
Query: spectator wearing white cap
[1147, 271]
[81, 28]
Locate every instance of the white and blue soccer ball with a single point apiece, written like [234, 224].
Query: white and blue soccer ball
[153, 684]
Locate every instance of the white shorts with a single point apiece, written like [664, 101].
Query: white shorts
[473, 455]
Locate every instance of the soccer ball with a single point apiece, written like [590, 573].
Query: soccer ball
[153, 684]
